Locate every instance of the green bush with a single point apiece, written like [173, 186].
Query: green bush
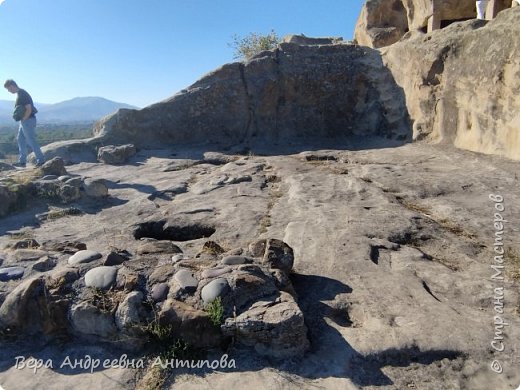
[252, 44]
[215, 311]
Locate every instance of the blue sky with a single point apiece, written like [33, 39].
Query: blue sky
[142, 51]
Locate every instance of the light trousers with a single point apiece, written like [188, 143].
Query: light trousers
[27, 137]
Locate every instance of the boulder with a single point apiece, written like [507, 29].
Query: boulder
[69, 247]
[95, 188]
[64, 276]
[191, 325]
[214, 289]
[158, 246]
[275, 254]
[31, 309]
[54, 166]
[275, 329]
[129, 313]
[74, 182]
[87, 319]
[116, 258]
[22, 255]
[20, 308]
[112, 154]
[381, 23]
[45, 264]
[9, 200]
[278, 255]
[72, 151]
[101, 277]
[26, 243]
[215, 272]
[235, 260]
[249, 284]
[11, 273]
[186, 280]
[84, 256]
[160, 292]
[69, 193]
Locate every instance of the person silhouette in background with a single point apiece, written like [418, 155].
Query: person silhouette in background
[26, 131]
[482, 5]
[481, 9]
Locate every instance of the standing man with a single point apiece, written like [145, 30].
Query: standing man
[26, 131]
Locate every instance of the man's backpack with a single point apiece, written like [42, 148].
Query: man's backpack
[18, 113]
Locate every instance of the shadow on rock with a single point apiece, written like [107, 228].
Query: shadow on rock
[144, 188]
[331, 354]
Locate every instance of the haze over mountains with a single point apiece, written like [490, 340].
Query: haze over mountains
[76, 110]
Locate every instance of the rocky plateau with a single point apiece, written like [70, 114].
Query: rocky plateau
[328, 215]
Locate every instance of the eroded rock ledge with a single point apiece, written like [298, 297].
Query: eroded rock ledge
[292, 93]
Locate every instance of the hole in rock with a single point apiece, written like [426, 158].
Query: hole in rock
[315, 157]
[340, 316]
[374, 254]
[160, 230]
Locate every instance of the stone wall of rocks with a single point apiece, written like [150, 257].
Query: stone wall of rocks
[50, 182]
[56, 288]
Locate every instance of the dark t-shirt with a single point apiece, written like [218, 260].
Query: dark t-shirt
[23, 98]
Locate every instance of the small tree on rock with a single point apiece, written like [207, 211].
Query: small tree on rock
[252, 44]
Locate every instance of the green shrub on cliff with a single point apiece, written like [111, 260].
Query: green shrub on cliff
[252, 44]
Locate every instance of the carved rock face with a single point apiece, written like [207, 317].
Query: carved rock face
[456, 90]
[384, 22]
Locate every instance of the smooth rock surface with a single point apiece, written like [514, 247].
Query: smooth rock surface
[159, 292]
[84, 256]
[214, 272]
[235, 260]
[214, 289]
[101, 277]
[186, 279]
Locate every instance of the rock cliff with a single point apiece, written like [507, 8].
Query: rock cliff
[383, 22]
[462, 83]
[293, 93]
[457, 85]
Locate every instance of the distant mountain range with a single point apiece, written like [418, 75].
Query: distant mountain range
[80, 109]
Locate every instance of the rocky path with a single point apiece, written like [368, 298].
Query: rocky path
[393, 252]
